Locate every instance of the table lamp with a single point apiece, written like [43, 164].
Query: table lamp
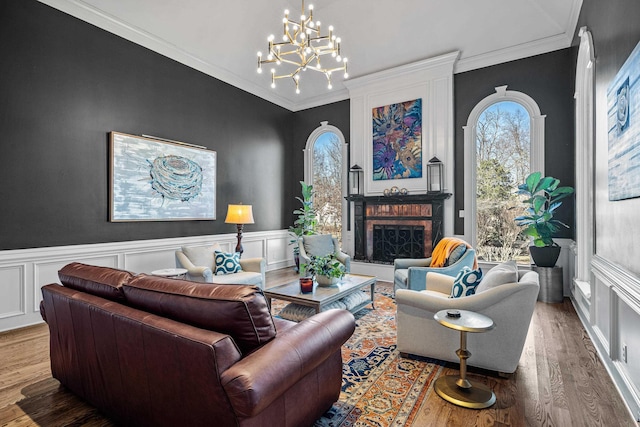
[239, 215]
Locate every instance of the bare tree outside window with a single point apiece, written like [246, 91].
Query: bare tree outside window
[327, 184]
[502, 162]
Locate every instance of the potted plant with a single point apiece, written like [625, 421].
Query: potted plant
[306, 223]
[543, 195]
[327, 269]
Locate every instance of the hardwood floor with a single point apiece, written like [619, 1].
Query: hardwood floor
[560, 381]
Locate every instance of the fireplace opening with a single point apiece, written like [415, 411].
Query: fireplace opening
[392, 241]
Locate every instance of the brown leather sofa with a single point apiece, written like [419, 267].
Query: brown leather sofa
[151, 351]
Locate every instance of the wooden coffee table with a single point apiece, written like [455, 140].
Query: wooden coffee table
[324, 295]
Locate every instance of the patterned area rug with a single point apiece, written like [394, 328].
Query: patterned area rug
[379, 388]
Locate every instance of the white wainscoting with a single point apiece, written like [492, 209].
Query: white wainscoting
[613, 325]
[24, 271]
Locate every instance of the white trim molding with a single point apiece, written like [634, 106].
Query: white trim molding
[585, 224]
[536, 156]
[613, 327]
[24, 271]
[431, 80]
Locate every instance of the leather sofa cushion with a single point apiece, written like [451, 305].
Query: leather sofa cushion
[239, 311]
[104, 282]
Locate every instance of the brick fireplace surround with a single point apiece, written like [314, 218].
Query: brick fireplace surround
[386, 228]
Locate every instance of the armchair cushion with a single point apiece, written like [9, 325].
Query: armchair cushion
[319, 245]
[507, 272]
[465, 282]
[201, 256]
[455, 255]
[227, 263]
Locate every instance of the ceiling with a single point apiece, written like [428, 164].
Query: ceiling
[222, 38]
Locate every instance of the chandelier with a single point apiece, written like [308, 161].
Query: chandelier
[302, 47]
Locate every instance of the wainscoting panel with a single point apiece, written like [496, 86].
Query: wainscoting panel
[614, 326]
[24, 271]
[279, 252]
[13, 297]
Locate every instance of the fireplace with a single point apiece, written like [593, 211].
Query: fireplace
[393, 227]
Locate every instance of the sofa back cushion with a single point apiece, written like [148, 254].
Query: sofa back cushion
[501, 274]
[104, 282]
[237, 310]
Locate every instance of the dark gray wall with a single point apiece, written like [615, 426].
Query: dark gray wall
[65, 84]
[549, 80]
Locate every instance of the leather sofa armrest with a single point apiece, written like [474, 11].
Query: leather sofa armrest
[257, 380]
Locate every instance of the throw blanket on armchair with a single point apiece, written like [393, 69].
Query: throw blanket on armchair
[443, 250]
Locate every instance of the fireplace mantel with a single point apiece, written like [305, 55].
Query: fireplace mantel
[420, 211]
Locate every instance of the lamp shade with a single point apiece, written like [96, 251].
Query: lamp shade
[239, 214]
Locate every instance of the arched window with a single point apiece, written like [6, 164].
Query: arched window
[584, 164]
[326, 168]
[504, 142]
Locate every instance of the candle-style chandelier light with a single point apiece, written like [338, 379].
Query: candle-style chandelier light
[302, 47]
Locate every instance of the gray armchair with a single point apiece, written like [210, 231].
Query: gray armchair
[510, 303]
[411, 273]
[321, 245]
[200, 265]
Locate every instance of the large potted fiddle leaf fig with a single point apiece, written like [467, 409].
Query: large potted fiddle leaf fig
[542, 199]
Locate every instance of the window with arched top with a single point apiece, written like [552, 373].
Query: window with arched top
[504, 142]
[585, 224]
[325, 169]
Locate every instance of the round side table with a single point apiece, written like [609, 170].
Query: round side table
[175, 273]
[461, 391]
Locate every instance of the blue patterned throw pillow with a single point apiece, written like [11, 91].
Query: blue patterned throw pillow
[227, 263]
[465, 282]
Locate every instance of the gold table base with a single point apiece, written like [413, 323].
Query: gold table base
[477, 396]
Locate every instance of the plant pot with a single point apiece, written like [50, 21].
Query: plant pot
[326, 281]
[546, 256]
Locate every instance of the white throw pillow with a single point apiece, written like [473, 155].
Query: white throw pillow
[507, 272]
[201, 256]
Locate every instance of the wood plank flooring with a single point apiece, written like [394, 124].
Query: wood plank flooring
[560, 381]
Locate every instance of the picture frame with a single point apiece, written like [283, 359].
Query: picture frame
[403, 101]
[623, 114]
[152, 179]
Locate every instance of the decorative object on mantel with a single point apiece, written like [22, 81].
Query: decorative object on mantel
[239, 214]
[435, 175]
[301, 47]
[542, 199]
[403, 192]
[393, 191]
[357, 179]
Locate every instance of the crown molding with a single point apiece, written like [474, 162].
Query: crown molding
[512, 53]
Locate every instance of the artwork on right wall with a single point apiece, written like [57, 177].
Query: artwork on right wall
[623, 112]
